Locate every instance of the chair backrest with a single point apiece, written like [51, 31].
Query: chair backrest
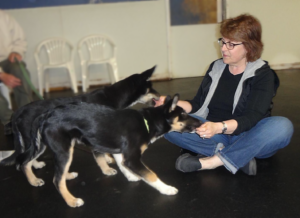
[99, 47]
[58, 50]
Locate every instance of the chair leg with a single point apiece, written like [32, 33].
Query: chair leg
[87, 80]
[72, 78]
[46, 79]
[41, 81]
[113, 64]
[83, 77]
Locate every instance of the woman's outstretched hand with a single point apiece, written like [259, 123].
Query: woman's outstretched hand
[160, 101]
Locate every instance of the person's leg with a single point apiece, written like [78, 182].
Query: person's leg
[193, 142]
[5, 112]
[262, 141]
[23, 93]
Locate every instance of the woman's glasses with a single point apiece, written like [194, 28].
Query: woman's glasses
[229, 45]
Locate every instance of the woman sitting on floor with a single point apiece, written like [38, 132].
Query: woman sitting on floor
[235, 102]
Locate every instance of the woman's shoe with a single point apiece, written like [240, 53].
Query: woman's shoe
[187, 163]
[184, 151]
[250, 168]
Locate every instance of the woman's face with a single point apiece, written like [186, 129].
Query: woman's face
[235, 56]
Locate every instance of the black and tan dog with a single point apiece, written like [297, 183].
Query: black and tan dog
[124, 133]
[133, 89]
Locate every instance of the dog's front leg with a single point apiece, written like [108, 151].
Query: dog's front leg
[129, 175]
[150, 177]
[101, 160]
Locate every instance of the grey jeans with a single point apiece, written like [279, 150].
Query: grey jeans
[22, 93]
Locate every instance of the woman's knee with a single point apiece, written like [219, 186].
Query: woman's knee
[284, 126]
[282, 132]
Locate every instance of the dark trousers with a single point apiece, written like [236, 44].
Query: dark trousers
[22, 93]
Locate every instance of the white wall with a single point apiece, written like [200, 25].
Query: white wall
[137, 28]
[140, 33]
[194, 46]
[280, 21]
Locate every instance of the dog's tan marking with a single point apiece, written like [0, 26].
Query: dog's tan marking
[102, 163]
[38, 164]
[71, 175]
[150, 176]
[176, 125]
[32, 179]
[69, 198]
[175, 120]
[144, 148]
[109, 159]
[152, 179]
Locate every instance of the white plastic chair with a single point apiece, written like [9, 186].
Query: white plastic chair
[6, 93]
[101, 50]
[59, 55]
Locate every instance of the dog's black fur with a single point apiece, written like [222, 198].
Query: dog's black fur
[124, 133]
[133, 89]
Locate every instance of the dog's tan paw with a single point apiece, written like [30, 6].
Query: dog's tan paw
[108, 159]
[76, 202]
[169, 190]
[71, 175]
[38, 164]
[110, 172]
[37, 182]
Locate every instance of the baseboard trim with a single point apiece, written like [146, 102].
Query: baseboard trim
[295, 65]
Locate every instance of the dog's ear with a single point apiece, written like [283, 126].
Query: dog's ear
[148, 73]
[174, 102]
[170, 104]
[168, 98]
[167, 104]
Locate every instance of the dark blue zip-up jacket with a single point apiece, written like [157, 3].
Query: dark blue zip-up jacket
[253, 96]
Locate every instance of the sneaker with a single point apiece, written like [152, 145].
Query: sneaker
[184, 151]
[187, 163]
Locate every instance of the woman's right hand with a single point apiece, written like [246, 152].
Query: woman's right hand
[160, 101]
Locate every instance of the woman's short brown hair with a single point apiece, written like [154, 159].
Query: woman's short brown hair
[247, 29]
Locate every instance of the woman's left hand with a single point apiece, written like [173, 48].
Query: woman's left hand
[207, 130]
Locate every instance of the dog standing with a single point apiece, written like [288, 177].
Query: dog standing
[133, 89]
[124, 133]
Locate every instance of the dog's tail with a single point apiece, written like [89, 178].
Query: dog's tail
[22, 154]
[8, 158]
[8, 128]
[35, 147]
